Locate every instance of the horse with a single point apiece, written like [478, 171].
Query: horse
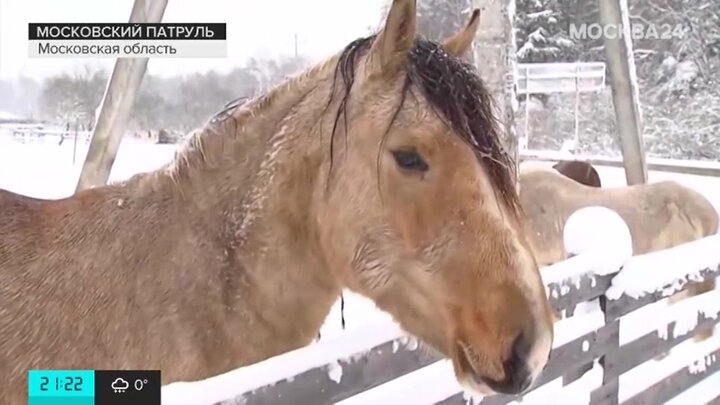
[659, 215]
[582, 172]
[380, 170]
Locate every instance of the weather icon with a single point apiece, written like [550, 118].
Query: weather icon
[119, 385]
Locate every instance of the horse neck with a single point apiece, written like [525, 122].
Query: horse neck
[251, 179]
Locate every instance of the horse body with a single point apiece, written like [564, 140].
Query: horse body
[379, 170]
[659, 215]
[135, 276]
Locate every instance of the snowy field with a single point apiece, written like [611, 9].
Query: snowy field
[46, 170]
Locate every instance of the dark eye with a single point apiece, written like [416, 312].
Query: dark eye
[410, 160]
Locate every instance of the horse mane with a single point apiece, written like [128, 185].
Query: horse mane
[207, 141]
[456, 94]
[195, 152]
[450, 85]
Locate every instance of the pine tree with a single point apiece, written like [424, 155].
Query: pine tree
[542, 32]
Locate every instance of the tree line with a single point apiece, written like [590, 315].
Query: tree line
[678, 76]
[176, 103]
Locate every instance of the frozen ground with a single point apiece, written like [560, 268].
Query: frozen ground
[46, 170]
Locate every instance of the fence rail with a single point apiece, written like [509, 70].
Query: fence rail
[41, 134]
[695, 167]
[356, 376]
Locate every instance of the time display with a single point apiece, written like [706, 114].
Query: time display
[47, 387]
[67, 383]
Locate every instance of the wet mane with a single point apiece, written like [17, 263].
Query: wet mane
[458, 96]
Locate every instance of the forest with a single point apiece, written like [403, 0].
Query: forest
[678, 77]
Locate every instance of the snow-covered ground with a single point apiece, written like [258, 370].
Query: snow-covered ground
[46, 170]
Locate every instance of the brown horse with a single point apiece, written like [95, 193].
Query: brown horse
[659, 215]
[582, 172]
[380, 170]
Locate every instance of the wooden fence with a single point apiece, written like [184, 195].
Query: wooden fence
[32, 135]
[383, 365]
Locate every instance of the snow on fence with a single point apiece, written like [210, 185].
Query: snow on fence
[606, 355]
[38, 135]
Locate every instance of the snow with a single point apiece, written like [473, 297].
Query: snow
[587, 307]
[335, 372]
[610, 234]
[701, 365]
[569, 329]
[6, 115]
[652, 272]
[437, 381]
[685, 313]
[642, 321]
[600, 252]
[685, 355]
[540, 14]
[409, 342]
[577, 392]
[654, 317]
[571, 269]
[46, 170]
[282, 367]
[568, 146]
[359, 311]
[701, 393]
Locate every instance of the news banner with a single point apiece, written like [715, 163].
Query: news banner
[93, 387]
[127, 40]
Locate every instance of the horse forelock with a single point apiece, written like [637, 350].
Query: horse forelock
[455, 93]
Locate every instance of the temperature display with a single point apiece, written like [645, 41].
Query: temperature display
[93, 387]
[124, 387]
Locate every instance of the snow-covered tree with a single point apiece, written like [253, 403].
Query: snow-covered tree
[66, 97]
[541, 32]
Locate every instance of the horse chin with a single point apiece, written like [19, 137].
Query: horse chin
[466, 375]
[476, 389]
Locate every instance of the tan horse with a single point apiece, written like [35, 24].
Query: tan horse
[582, 172]
[380, 170]
[659, 215]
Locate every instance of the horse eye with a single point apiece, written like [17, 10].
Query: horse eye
[410, 160]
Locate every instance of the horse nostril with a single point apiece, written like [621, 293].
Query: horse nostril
[519, 352]
[517, 373]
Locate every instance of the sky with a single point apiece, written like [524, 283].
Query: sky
[260, 28]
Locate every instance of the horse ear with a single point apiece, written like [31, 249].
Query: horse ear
[460, 43]
[389, 52]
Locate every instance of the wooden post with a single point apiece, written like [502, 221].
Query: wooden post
[75, 140]
[621, 63]
[494, 56]
[609, 392]
[116, 104]
[527, 119]
[576, 136]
